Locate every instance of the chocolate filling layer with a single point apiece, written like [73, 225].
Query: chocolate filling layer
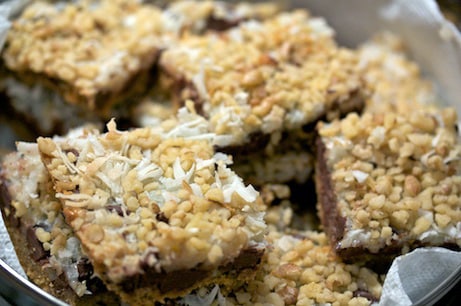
[36, 247]
[214, 23]
[332, 221]
[183, 279]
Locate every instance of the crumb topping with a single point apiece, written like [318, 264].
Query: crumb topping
[396, 177]
[302, 269]
[135, 199]
[266, 76]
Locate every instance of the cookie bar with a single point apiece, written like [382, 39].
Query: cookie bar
[263, 77]
[48, 250]
[302, 269]
[93, 54]
[388, 183]
[157, 215]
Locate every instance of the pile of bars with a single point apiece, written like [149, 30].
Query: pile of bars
[222, 153]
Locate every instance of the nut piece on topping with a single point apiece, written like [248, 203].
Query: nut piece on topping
[390, 182]
[149, 209]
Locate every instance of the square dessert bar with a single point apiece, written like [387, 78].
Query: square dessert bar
[158, 216]
[388, 183]
[261, 78]
[46, 246]
[94, 54]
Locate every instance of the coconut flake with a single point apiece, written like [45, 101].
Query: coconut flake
[286, 243]
[147, 170]
[70, 166]
[179, 176]
[204, 163]
[98, 148]
[360, 176]
[113, 186]
[207, 300]
[248, 193]
[224, 158]
[199, 81]
[73, 196]
[196, 190]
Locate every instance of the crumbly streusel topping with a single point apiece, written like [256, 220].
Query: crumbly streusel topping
[92, 46]
[136, 198]
[396, 177]
[302, 269]
[265, 76]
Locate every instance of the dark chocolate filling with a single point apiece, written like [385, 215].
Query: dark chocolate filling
[183, 279]
[36, 247]
[214, 23]
[332, 221]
